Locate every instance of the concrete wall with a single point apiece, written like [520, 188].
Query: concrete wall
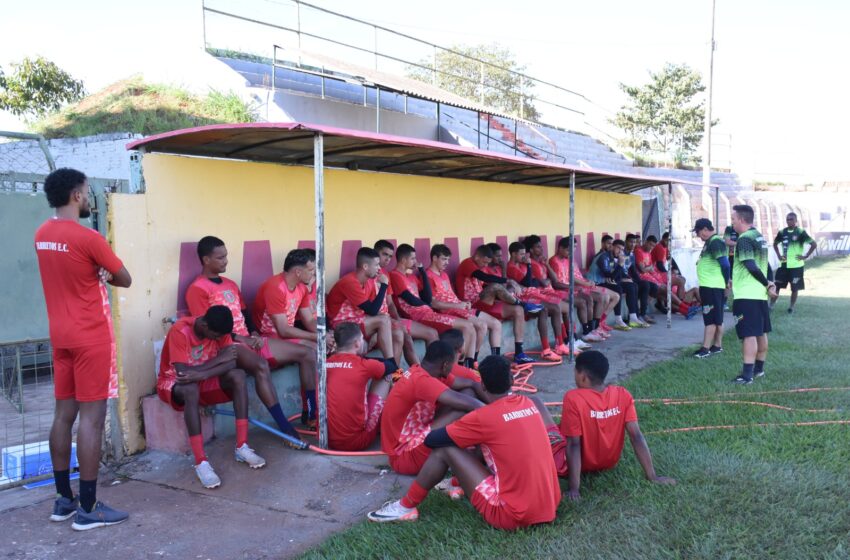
[188, 198]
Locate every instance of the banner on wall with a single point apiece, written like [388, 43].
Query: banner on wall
[833, 243]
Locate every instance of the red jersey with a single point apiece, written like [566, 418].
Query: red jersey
[659, 254]
[517, 271]
[204, 292]
[600, 419]
[441, 287]
[462, 371]
[275, 298]
[516, 448]
[539, 271]
[182, 346]
[466, 286]
[561, 266]
[347, 295]
[494, 270]
[401, 283]
[409, 410]
[70, 257]
[385, 306]
[643, 258]
[313, 299]
[348, 375]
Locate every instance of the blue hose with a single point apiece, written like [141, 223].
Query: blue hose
[294, 441]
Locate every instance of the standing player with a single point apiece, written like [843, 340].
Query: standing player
[752, 288]
[76, 263]
[713, 274]
[792, 239]
[515, 485]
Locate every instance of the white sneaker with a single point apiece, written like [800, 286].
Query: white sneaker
[393, 511]
[592, 336]
[581, 345]
[207, 475]
[446, 487]
[245, 454]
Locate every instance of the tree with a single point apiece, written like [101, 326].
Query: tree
[495, 82]
[36, 87]
[663, 116]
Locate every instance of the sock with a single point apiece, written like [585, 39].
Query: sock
[88, 494]
[197, 445]
[475, 357]
[603, 318]
[461, 361]
[469, 362]
[415, 495]
[241, 432]
[312, 407]
[518, 348]
[559, 340]
[587, 327]
[544, 343]
[714, 348]
[747, 371]
[496, 351]
[455, 481]
[281, 421]
[633, 317]
[391, 363]
[303, 402]
[63, 483]
[565, 330]
[683, 308]
[595, 324]
[759, 366]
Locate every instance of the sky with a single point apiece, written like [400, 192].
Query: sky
[779, 91]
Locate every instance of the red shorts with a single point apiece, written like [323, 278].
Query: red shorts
[410, 461]
[210, 389]
[486, 500]
[541, 295]
[85, 374]
[460, 313]
[363, 439]
[430, 318]
[559, 449]
[403, 324]
[494, 309]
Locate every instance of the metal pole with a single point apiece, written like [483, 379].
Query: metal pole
[481, 95]
[434, 74]
[572, 255]
[378, 109]
[204, 23]
[439, 129]
[274, 67]
[521, 97]
[669, 256]
[478, 113]
[376, 46]
[717, 207]
[516, 123]
[321, 325]
[298, 8]
[706, 164]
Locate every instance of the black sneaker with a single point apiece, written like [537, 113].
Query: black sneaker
[64, 508]
[660, 307]
[715, 349]
[702, 353]
[790, 311]
[101, 515]
[741, 380]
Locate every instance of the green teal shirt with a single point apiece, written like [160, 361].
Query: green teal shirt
[791, 243]
[709, 272]
[751, 246]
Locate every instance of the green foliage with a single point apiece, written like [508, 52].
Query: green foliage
[37, 87]
[494, 84]
[663, 116]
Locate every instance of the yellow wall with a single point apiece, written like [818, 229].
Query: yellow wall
[187, 198]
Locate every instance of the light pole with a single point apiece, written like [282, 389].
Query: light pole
[706, 164]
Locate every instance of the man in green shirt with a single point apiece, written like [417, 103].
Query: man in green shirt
[789, 244]
[752, 289]
[713, 272]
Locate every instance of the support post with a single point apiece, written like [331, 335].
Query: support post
[321, 319]
[516, 131]
[572, 257]
[439, 124]
[378, 109]
[717, 208]
[669, 256]
[478, 114]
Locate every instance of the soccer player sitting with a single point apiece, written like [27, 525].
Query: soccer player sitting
[488, 293]
[455, 339]
[593, 297]
[515, 485]
[595, 420]
[412, 328]
[555, 308]
[421, 401]
[254, 352]
[412, 292]
[354, 407]
[660, 254]
[648, 272]
[689, 300]
[358, 298]
[645, 289]
[607, 271]
[197, 369]
[792, 239]
[626, 282]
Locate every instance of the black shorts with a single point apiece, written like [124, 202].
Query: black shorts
[793, 276]
[712, 300]
[752, 317]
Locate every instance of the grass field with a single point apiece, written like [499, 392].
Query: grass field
[753, 492]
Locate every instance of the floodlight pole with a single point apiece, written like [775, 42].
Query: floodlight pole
[572, 255]
[321, 320]
[706, 164]
[669, 255]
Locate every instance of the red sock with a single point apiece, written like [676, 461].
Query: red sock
[544, 343]
[602, 319]
[415, 495]
[455, 481]
[564, 332]
[559, 340]
[197, 445]
[683, 308]
[241, 432]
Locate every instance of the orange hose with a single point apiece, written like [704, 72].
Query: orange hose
[761, 425]
[754, 403]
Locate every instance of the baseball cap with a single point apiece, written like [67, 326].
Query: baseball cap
[701, 224]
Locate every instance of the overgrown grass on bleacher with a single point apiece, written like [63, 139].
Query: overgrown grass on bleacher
[758, 492]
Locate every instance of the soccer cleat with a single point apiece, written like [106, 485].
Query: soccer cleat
[790, 311]
[715, 349]
[101, 515]
[741, 380]
[602, 333]
[660, 307]
[563, 350]
[531, 308]
[245, 454]
[759, 373]
[207, 475]
[702, 353]
[581, 345]
[606, 327]
[638, 325]
[523, 358]
[446, 487]
[64, 508]
[592, 336]
[648, 319]
[393, 511]
[549, 356]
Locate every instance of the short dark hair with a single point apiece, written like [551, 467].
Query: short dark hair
[495, 247]
[219, 319]
[745, 212]
[531, 241]
[383, 244]
[207, 245]
[297, 257]
[484, 251]
[515, 247]
[440, 250]
[345, 333]
[665, 235]
[404, 250]
[651, 239]
[619, 243]
[310, 251]
[452, 337]
[607, 237]
[594, 364]
[365, 254]
[496, 374]
[564, 242]
[438, 352]
[630, 236]
[59, 185]
[791, 214]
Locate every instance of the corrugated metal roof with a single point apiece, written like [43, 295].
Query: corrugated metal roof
[292, 144]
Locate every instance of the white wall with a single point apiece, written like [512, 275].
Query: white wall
[102, 156]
